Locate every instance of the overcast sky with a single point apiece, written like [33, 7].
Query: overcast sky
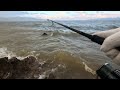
[62, 15]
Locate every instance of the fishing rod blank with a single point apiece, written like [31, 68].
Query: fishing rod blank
[93, 38]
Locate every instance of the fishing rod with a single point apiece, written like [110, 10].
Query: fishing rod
[93, 38]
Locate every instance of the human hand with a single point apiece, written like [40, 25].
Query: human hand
[112, 40]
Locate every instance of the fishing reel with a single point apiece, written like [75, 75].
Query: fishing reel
[108, 72]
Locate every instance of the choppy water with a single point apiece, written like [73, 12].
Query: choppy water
[70, 56]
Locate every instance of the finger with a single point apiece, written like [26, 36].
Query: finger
[117, 59]
[107, 33]
[111, 42]
[112, 53]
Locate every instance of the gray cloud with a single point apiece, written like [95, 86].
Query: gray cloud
[12, 13]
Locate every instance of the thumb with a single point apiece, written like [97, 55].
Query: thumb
[107, 33]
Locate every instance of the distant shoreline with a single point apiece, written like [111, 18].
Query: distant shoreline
[27, 19]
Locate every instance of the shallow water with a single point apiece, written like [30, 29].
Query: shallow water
[69, 55]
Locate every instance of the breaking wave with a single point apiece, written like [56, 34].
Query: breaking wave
[54, 65]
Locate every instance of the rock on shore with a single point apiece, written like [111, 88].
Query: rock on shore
[28, 68]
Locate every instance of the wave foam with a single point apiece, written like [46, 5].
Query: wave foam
[5, 53]
[88, 69]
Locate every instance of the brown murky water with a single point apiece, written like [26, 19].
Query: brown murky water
[68, 55]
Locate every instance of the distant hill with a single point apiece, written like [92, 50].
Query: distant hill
[4, 19]
[98, 19]
[10, 19]
[117, 18]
